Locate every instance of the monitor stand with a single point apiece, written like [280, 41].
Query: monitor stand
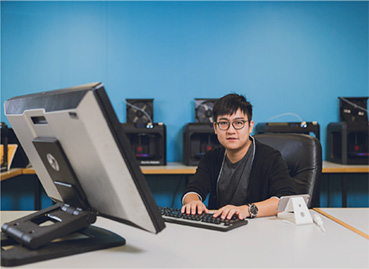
[33, 239]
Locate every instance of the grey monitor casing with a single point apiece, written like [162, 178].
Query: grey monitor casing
[83, 121]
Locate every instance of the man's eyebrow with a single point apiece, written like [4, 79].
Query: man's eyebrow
[223, 119]
[238, 118]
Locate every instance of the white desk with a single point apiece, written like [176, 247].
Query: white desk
[264, 242]
[356, 219]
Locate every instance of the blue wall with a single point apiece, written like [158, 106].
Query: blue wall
[286, 57]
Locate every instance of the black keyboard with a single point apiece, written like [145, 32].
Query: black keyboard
[203, 220]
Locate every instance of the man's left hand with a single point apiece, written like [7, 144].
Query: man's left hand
[227, 212]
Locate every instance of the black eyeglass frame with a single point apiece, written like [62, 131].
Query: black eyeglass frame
[229, 124]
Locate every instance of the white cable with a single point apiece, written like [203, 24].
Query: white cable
[318, 220]
[285, 114]
[138, 108]
[353, 104]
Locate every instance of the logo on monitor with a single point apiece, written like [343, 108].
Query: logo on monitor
[53, 162]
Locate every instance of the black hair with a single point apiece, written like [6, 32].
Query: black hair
[230, 103]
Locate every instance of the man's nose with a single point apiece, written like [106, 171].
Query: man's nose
[231, 129]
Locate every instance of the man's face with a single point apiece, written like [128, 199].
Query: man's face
[233, 139]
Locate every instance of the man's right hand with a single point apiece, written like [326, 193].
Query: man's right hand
[193, 205]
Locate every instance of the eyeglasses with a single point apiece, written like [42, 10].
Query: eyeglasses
[237, 124]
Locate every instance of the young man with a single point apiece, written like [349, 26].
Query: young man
[243, 177]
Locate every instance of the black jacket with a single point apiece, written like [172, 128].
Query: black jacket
[269, 176]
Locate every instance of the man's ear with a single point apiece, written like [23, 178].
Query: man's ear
[251, 127]
[215, 127]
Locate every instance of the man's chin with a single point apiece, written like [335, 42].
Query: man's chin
[232, 146]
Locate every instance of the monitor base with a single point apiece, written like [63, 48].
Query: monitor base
[88, 239]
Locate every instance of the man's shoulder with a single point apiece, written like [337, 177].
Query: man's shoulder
[264, 149]
[266, 155]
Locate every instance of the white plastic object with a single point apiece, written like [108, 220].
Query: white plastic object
[318, 220]
[299, 212]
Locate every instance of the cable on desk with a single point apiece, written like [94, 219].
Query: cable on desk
[342, 223]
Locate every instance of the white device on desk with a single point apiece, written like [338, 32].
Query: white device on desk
[294, 209]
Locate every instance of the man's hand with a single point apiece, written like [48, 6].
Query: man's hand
[193, 205]
[227, 212]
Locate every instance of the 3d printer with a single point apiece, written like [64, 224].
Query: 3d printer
[199, 136]
[148, 139]
[347, 140]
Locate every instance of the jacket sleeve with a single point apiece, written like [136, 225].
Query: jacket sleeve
[200, 181]
[281, 183]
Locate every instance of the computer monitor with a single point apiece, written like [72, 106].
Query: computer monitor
[85, 163]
